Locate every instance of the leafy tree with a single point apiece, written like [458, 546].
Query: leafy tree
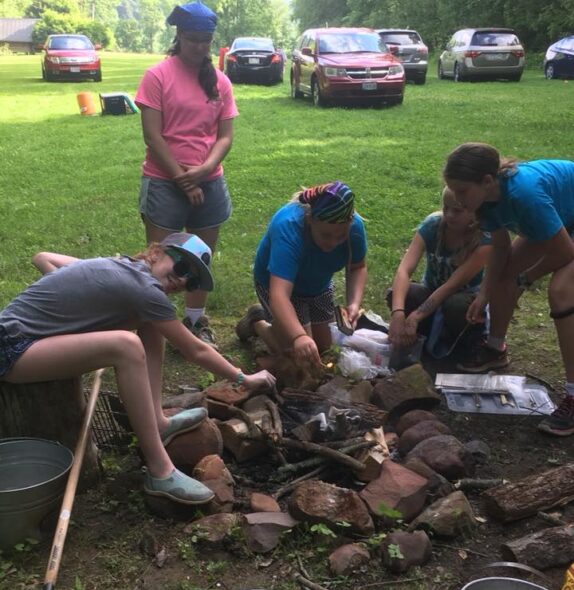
[97, 32]
[129, 35]
[320, 13]
[38, 7]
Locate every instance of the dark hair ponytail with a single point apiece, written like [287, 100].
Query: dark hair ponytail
[471, 162]
[207, 76]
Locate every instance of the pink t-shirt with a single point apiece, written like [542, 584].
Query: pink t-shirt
[189, 120]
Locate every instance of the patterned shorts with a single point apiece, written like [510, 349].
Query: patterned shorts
[310, 310]
[11, 349]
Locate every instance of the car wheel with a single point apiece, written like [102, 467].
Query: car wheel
[318, 99]
[515, 78]
[98, 76]
[44, 74]
[295, 92]
[396, 100]
[550, 72]
[457, 75]
[419, 80]
[440, 72]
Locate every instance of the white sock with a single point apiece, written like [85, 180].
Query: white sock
[570, 389]
[194, 313]
[496, 343]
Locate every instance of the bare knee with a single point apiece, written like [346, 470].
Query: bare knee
[561, 290]
[128, 347]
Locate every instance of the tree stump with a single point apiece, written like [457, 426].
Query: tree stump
[53, 410]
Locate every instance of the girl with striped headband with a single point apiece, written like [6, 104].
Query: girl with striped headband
[307, 241]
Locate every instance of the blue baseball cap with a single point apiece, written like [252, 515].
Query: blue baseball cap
[196, 252]
[194, 16]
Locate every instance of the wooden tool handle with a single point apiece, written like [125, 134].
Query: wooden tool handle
[70, 492]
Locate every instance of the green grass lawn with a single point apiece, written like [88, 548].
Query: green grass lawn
[70, 183]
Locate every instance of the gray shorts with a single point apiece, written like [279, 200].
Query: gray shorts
[166, 206]
[310, 310]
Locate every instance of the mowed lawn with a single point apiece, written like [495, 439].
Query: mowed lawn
[70, 183]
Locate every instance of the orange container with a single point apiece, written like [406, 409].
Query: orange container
[222, 52]
[86, 103]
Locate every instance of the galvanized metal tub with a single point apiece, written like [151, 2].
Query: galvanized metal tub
[33, 474]
[502, 584]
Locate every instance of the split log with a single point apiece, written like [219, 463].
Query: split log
[53, 410]
[530, 495]
[553, 547]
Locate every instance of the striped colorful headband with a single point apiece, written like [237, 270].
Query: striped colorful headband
[333, 202]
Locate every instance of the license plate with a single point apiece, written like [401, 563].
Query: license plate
[253, 60]
[496, 56]
[369, 86]
[75, 70]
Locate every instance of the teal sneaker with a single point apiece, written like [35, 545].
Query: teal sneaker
[177, 487]
[183, 422]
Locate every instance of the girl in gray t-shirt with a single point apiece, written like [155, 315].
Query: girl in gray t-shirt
[79, 317]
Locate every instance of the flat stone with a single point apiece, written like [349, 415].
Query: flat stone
[263, 530]
[212, 467]
[446, 455]
[263, 503]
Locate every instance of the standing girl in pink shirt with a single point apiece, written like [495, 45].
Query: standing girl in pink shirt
[187, 111]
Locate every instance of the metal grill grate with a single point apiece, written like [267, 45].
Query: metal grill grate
[110, 425]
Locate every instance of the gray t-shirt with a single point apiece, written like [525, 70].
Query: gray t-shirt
[88, 296]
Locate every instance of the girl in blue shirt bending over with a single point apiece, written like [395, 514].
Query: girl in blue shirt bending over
[536, 201]
[456, 251]
[307, 242]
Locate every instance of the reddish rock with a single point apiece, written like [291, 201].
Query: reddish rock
[189, 448]
[347, 558]
[447, 517]
[263, 503]
[319, 502]
[212, 467]
[411, 437]
[396, 488]
[446, 455]
[262, 530]
[401, 550]
[224, 498]
[228, 393]
[411, 418]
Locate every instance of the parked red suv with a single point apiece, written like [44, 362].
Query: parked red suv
[70, 56]
[345, 64]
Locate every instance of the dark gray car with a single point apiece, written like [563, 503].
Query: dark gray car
[480, 54]
[407, 46]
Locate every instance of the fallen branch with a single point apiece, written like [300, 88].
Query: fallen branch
[460, 549]
[392, 582]
[307, 583]
[477, 484]
[275, 419]
[323, 452]
[254, 431]
[553, 520]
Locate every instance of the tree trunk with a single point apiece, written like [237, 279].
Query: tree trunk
[53, 410]
[528, 496]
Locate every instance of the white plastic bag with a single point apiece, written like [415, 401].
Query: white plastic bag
[356, 365]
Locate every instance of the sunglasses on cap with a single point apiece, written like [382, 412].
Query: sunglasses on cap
[183, 268]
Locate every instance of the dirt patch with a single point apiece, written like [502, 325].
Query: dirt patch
[114, 543]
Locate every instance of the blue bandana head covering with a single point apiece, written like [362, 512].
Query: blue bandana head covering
[333, 202]
[194, 16]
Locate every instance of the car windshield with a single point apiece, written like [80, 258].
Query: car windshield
[70, 43]
[568, 44]
[261, 44]
[401, 38]
[350, 43]
[494, 39]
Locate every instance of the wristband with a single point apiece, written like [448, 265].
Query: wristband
[396, 310]
[299, 336]
[240, 378]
